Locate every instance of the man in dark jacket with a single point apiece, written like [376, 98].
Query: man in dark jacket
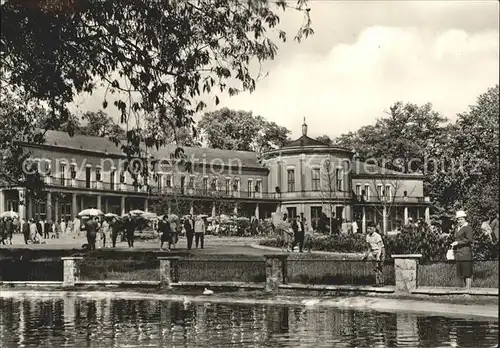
[2, 231]
[298, 233]
[92, 226]
[189, 227]
[164, 229]
[130, 229]
[47, 227]
[26, 231]
[39, 228]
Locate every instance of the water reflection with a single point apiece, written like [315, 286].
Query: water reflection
[78, 322]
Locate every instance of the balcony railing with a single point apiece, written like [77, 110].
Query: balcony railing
[155, 190]
[392, 199]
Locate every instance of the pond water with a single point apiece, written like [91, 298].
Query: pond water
[72, 321]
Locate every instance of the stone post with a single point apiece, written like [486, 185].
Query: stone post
[406, 272]
[71, 270]
[276, 271]
[169, 271]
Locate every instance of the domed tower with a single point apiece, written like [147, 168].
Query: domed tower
[311, 177]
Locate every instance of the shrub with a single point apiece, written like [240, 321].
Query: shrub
[432, 245]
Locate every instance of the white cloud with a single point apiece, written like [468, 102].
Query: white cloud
[353, 84]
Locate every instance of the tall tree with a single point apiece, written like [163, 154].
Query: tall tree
[325, 139]
[152, 56]
[241, 130]
[100, 124]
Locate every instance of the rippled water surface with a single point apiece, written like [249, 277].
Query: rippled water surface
[85, 322]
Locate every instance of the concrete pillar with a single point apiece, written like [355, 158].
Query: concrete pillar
[71, 270]
[99, 203]
[384, 220]
[363, 222]
[74, 208]
[279, 175]
[30, 206]
[169, 271]
[122, 205]
[276, 271]
[214, 212]
[146, 205]
[169, 207]
[191, 207]
[427, 215]
[22, 204]
[48, 208]
[406, 215]
[56, 208]
[235, 211]
[2, 201]
[82, 203]
[257, 212]
[406, 272]
[348, 212]
[106, 204]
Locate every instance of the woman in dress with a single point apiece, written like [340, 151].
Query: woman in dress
[463, 248]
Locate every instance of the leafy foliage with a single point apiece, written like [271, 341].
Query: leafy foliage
[325, 139]
[153, 57]
[242, 131]
[431, 245]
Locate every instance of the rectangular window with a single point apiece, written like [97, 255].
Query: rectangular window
[63, 174]
[339, 179]
[191, 182]
[183, 184]
[73, 171]
[168, 180]
[258, 185]
[228, 186]
[87, 177]
[380, 190]
[98, 174]
[213, 184]
[367, 192]
[236, 185]
[205, 184]
[112, 180]
[250, 187]
[388, 191]
[291, 180]
[122, 177]
[358, 190]
[316, 179]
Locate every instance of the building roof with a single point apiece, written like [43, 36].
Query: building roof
[103, 145]
[304, 140]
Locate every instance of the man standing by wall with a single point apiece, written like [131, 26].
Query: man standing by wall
[130, 229]
[189, 227]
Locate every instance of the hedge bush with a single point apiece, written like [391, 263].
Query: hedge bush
[432, 245]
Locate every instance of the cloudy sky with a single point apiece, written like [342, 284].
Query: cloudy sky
[365, 56]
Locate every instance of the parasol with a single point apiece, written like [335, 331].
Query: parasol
[90, 212]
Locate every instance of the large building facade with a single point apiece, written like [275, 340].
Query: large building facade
[305, 178]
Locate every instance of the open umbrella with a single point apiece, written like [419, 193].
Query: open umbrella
[137, 212]
[10, 214]
[110, 215]
[150, 216]
[90, 212]
[173, 217]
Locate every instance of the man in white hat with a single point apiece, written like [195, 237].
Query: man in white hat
[463, 248]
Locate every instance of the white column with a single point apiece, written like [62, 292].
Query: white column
[301, 186]
[406, 215]
[22, 207]
[235, 211]
[122, 205]
[213, 210]
[30, 206]
[56, 208]
[146, 205]
[191, 208]
[48, 211]
[2, 201]
[427, 215]
[169, 206]
[99, 203]
[384, 220]
[82, 203]
[106, 204]
[363, 222]
[257, 211]
[74, 208]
